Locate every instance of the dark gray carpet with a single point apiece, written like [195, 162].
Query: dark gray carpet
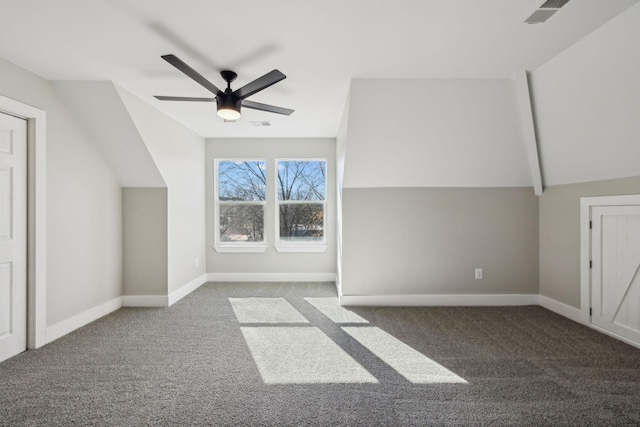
[189, 365]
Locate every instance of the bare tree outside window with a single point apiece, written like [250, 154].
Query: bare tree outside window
[301, 200]
[242, 198]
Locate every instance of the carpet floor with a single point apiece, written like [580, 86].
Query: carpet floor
[220, 357]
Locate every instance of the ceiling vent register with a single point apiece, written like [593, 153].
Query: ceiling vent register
[260, 123]
[546, 11]
[554, 4]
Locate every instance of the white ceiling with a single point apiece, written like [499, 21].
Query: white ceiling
[319, 45]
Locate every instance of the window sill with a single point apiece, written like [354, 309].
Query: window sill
[301, 248]
[241, 249]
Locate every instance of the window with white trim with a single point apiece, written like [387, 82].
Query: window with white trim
[240, 202]
[301, 203]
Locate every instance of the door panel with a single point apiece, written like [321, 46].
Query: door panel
[13, 236]
[616, 269]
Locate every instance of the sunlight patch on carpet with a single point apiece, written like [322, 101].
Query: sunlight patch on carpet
[331, 308]
[301, 355]
[409, 363]
[265, 310]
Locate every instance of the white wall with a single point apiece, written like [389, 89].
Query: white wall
[271, 263]
[341, 148]
[179, 155]
[434, 133]
[84, 222]
[587, 103]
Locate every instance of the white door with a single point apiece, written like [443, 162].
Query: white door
[615, 251]
[13, 236]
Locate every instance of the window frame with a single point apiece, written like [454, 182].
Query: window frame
[300, 246]
[238, 246]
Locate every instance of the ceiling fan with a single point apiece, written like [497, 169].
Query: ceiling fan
[229, 102]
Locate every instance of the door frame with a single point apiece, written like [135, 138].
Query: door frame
[36, 217]
[586, 205]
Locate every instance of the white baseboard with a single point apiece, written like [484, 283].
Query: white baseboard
[185, 290]
[440, 300]
[560, 308]
[616, 336]
[145, 301]
[271, 277]
[66, 326]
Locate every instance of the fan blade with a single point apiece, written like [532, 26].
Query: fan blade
[183, 98]
[260, 83]
[266, 107]
[190, 72]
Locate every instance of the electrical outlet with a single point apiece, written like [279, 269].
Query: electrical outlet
[197, 262]
[478, 273]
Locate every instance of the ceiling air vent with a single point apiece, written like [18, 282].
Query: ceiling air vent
[546, 11]
[260, 123]
[554, 4]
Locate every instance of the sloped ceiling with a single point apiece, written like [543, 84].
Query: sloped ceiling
[587, 106]
[450, 133]
[320, 46]
[104, 116]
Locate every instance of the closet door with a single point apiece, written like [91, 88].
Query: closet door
[615, 256]
[13, 236]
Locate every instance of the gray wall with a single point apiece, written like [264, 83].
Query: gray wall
[407, 241]
[560, 234]
[84, 205]
[144, 240]
[270, 261]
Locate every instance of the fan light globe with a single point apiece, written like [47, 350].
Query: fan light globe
[229, 113]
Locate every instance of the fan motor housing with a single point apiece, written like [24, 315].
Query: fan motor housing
[228, 102]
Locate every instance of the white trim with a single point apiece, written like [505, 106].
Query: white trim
[585, 256]
[441, 300]
[616, 336]
[618, 200]
[246, 248]
[185, 290]
[529, 130]
[36, 217]
[145, 301]
[69, 325]
[300, 248]
[338, 286]
[561, 308]
[271, 277]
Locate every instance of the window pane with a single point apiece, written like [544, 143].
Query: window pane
[301, 180]
[242, 223]
[301, 222]
[242, 181]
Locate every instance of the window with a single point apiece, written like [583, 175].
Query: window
[301, 204]
[280, 202]
[240, 204]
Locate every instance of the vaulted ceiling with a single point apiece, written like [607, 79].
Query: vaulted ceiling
[319, 45]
